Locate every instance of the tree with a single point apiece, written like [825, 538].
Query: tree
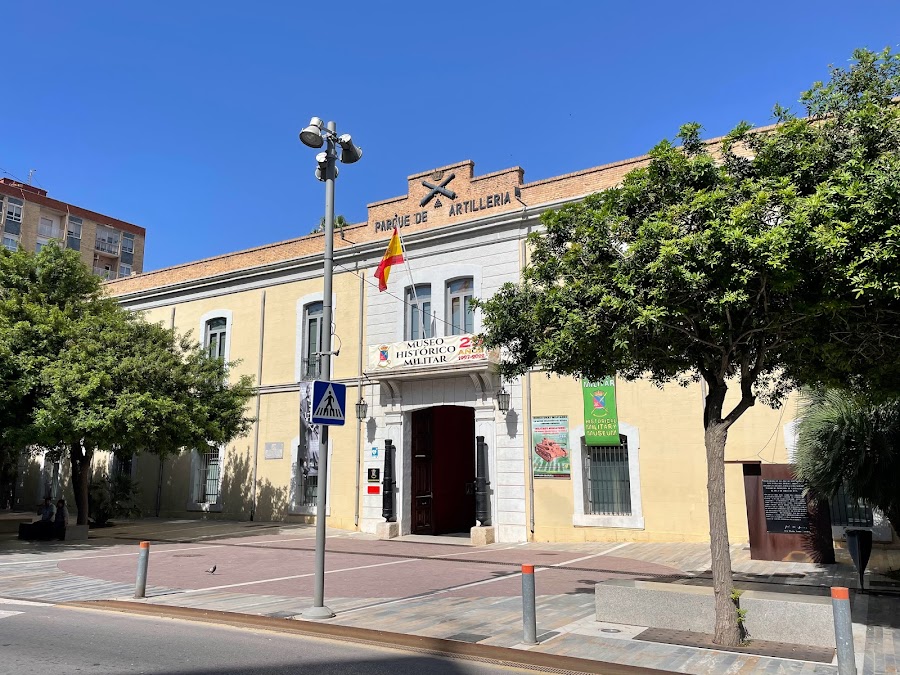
[851, 438]
[760, 261]
[339, 223]
[91, 376]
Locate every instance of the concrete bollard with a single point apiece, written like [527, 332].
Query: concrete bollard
[529, 617]
[843, 630]
[140, 587]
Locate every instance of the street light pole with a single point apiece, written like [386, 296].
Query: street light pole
[313, 136]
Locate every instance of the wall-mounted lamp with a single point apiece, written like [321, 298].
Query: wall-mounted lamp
[503, 399]
[362, 409]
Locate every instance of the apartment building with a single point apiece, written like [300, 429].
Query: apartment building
[30, 219]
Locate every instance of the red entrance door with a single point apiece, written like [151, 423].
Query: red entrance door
[443, 470]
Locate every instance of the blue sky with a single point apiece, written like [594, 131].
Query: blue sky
[183, 117]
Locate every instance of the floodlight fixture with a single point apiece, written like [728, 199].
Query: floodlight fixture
[312, 135]
[350, 153]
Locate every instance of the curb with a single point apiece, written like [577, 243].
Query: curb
[532, 660]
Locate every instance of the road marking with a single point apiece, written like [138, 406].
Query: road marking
[586, 557]
[293, 576]
[4, 615]
[156, 551]
[24, 603]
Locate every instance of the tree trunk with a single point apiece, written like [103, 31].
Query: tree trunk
[727, 632]
[81, 479]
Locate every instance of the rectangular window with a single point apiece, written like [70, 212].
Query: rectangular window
[608, 483]
[207, 480]
[419, 322]
[124, 270]
[41, 243]
[312, 340]
[461, 315]
[216, 333]
[73, 229]
[10, 242]
[14, 210]
[107, 240]
[127, 242]
[49, 228]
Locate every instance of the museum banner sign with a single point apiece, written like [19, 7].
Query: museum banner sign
[601, 419]
[439, 351]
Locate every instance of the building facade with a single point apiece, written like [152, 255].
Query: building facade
[30, 219]
[568, 460]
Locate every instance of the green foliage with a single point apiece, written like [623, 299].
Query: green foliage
[852, 439]
[113, 496]
[87, 375]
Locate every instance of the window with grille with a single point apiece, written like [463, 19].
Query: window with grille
[306, 483]
[607, 479]
[460, 314]
[849, 512]
[216, 333]
[418, 312]
[207, 480]
[312, 340]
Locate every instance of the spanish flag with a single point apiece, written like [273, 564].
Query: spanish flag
[393, 256]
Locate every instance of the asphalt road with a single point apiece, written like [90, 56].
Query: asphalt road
[48, 640]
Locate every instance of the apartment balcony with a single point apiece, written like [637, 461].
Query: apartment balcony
[104, 273]
[108, 246]
[49, 232]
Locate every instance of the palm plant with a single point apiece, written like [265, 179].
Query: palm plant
[852, 439]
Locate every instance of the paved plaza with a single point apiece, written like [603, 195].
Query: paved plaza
[439, 587]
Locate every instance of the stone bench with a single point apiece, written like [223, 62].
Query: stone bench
[779, 617]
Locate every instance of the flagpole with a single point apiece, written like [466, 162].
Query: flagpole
[413, 285]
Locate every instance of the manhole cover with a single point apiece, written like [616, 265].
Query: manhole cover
[468, 637]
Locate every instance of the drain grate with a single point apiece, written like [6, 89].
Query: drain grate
[781, 650]
[468, 637]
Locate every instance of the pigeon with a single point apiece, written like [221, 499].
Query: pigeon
[211, 570]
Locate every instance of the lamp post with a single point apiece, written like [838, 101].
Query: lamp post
[315, 136]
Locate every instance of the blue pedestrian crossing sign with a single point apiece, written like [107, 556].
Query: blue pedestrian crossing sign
[329, 401]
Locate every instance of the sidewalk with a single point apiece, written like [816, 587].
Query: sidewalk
[436, 586]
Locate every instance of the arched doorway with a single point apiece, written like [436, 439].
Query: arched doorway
[442, 492]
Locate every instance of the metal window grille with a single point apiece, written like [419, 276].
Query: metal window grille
[849, 512]
[305, 487]
[312, 340]
[608, 479]
[208, 474]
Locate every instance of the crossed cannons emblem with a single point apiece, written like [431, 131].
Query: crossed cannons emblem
[440, 189]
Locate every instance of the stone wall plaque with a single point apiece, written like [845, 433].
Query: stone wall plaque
[274, 450]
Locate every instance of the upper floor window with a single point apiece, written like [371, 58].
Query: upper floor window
[49, 228]
[418, 312]
[216, 332]
[127, 242]
[125, 271]
[41, 243]
[107, 240]
[14, 209]
[312, 340]
[460, 314]
[10, 242]
[73, 229]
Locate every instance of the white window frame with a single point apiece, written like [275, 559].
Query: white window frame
[127, 236]
[123, 273]
[40, 243]
[300, 344]
[108, 236]
[71, 224]
[196, 463]
[14, 204]
[55, 226]
[580, 518]
[437, 276]
[306, 356]
[13, 238]
[449, 327]
[414, 300]
[217, 314]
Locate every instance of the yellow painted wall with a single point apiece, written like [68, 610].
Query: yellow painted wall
[672, 461]
[278, 418]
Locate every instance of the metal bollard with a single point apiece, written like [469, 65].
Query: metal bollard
[140, 587]
[843, 630]
[529, 618]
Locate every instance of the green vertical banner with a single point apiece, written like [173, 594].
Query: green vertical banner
[601, 420]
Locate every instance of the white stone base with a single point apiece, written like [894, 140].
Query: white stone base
[482, 536]
[387, 530]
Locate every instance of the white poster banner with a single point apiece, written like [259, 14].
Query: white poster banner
[438, 351]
